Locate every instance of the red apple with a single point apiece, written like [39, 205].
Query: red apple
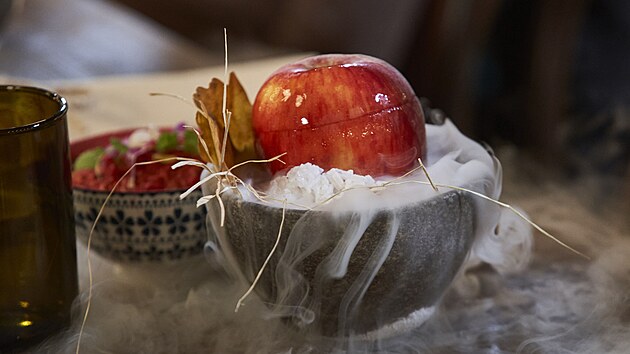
[352, 112]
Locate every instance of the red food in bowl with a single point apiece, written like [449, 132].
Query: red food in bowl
[158, 176]
[154, 177]
[142, 223]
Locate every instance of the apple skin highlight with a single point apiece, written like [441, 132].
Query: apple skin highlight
[351, 112]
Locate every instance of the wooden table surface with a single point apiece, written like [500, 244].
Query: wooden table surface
[71, 39]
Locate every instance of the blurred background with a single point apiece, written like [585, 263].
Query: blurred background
[550, 79]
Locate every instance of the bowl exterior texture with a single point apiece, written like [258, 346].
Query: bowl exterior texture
[141, 227]
[432, 240]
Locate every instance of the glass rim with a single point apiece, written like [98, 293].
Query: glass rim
[42, 123]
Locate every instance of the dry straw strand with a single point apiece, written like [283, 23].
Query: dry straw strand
[503, 205]
[240, 301]
[224, 111]
[172, 95]
[199, 138]
[426, 173]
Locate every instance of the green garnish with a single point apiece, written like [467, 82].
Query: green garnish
[118, 145]
[88, 159]
[166, 141]
[167, 144]
[190, 142]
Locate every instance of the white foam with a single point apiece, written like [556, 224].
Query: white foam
[308, 184]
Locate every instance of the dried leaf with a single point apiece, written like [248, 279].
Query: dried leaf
[241, 131]
[240, 144]
[205, 132]
[210, 100]
[211, 134]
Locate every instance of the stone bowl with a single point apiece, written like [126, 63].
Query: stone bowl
[432, 240]
[138, 227]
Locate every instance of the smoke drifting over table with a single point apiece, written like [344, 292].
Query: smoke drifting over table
[558, 303]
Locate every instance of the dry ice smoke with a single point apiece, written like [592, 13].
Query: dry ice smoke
[559, 304]
[503, 239]
[325, 282]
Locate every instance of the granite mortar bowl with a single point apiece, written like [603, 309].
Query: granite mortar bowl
[432, 241]
[138, 227]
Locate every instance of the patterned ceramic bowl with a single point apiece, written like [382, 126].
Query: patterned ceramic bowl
[151, 226]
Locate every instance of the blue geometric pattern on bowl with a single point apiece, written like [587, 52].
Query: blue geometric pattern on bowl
[141, 226]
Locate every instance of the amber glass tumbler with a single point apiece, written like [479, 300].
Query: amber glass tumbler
[38, 266]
